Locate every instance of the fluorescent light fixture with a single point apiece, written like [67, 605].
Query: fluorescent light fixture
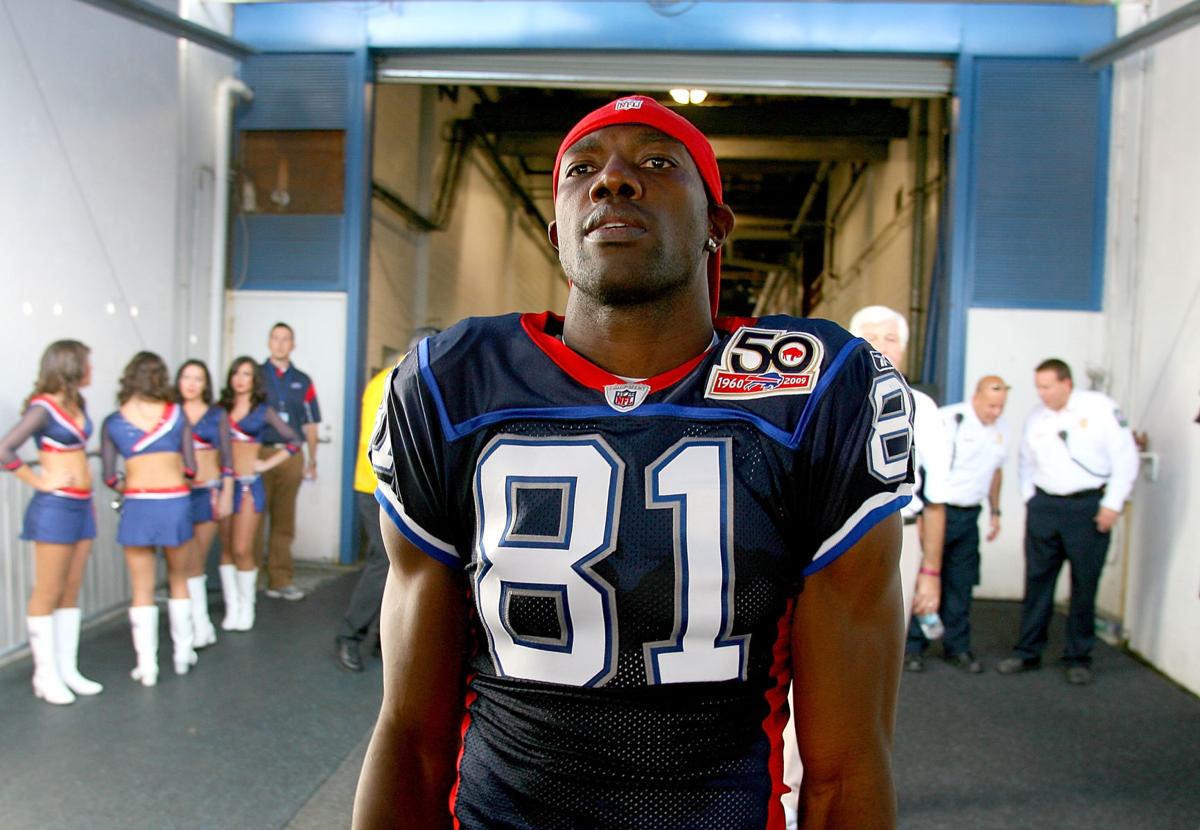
[689, 96]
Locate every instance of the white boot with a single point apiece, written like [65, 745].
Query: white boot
[143, 621]
[229, 587]
[182, 636]
[47, 684]
[202, 625]
[66, 647]
[247, 585]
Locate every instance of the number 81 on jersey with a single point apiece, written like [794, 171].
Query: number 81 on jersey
[556, 566]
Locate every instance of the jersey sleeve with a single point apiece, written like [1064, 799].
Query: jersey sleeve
[34, 419]
[224, 444]
[858, 451]
[408, 458]
[109, 454]
[187, 449]
[312, 409]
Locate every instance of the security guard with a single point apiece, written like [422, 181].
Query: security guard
[978, 448]
[1078, 464]
[925, 516]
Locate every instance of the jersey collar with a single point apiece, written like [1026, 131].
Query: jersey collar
[543, 330]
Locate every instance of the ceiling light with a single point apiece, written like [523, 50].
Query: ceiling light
[689, 96]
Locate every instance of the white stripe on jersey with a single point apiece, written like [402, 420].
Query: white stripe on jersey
[831, 547]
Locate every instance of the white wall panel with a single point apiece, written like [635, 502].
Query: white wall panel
[1154, 299]
[93, 223]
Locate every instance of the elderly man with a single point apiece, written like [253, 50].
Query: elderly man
[631, 498]
[978, 449]
[1078, 465]
[925, 516]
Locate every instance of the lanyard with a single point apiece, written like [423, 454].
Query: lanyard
[280, 396]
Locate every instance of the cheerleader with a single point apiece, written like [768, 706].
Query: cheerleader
[243, 398]
[153, 437]
[212, 489]
[60, 520]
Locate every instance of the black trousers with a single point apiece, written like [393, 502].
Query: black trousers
[960, 575]
[1058, 529]
[367, 599]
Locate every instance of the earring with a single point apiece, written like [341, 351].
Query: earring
[711, 244]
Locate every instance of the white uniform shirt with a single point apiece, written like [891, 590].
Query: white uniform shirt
[933, 455]
[1082, 446]
[976, 452]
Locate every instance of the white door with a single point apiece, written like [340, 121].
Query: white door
[319, 320]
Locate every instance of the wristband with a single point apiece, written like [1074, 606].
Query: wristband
[995, 511]
[929, 572]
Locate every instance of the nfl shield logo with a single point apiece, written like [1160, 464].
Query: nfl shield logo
[624, 397]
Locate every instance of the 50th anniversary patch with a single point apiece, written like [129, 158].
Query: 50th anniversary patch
[759, 363]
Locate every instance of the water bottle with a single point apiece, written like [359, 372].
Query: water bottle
[931, 626]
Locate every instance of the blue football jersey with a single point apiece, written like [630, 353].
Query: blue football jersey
[632, 551]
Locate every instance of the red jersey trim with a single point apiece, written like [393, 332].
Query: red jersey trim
[582, 370]
[777, 715]
[462, 743]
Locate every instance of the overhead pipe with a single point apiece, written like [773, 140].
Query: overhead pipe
[1169, 24]
[228, 89]
[917, 269]
[147, 14]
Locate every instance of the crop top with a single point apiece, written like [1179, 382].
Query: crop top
[250, 428]
[51, 428]
[211, 432]
[172, 433]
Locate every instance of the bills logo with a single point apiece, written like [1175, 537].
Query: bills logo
[759, 363]
[627, 104]
[625, 397]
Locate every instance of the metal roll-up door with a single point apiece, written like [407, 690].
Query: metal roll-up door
[857, 76]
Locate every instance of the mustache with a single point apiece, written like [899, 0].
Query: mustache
[606, 214]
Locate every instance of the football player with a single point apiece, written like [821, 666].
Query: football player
[616, 536]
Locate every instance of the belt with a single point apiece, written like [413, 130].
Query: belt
[974, 508]
[1079, 494]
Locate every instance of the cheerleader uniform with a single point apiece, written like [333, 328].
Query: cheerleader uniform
[64, 516]
[211, 432]
[151, 517]
[249, 431]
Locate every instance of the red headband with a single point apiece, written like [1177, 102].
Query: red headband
[638, 109]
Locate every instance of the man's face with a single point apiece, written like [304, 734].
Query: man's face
[988, 404]
[631, 216]
[885, 338]
[1053, 392]
[280, 343]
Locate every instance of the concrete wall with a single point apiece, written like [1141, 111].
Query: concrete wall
[486, 261]
[869, 243]
[1153, 300]
[104, 227]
